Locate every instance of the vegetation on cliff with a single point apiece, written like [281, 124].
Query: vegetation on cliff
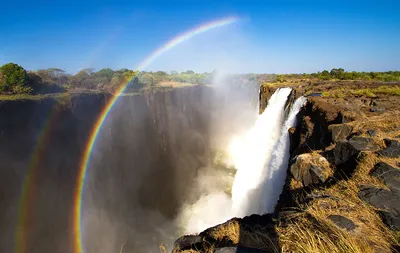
[341, 74]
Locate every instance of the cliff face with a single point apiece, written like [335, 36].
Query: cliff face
[341, 192]
[62, 131]
[142, 169]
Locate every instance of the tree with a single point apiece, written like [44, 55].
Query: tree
[188, 72]
[105, 73]
[13, 77]
[147, 80]
[337, 73]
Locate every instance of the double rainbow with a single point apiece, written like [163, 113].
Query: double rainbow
[78, 197]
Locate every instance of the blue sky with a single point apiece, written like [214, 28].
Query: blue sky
[272, 37]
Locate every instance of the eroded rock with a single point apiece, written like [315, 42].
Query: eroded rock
[311, 168]
[188, 242]
[363, 144]
[238, 250]
[346, 152]
[381, 198]
[388, 174]
[392, 148]
[342, 222]
[377, 109]
[392, 221]
[340, 131]
[371, 132]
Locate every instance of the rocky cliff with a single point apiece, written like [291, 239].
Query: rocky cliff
[341, 191]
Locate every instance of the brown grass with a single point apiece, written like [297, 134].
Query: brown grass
[322, 235]
[228, 231]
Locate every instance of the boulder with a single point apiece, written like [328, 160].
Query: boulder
[392, 148]
[238, 250]
[390, 220]
[381, 198]
[347, 151]
[363, 144]
[377, 109]
[388, 174]
[340, 131]
[188, 242]
[342, 222]
[310, 168]
[371, 132]
[387, 201]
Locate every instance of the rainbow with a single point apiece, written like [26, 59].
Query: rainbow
[77, 212]
[28, 191]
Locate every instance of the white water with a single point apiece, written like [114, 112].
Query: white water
[277, 167]
[252, 152]
[261, 157]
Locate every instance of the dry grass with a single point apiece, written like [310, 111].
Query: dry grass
[319, 234]
[367, 92]
[387, 124]
[227, 231]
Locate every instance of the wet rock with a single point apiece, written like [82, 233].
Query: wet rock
[390, 220]
[188, 242]
[340, 131]
[381, 198]
[310, 168]
[392, 148]
[389, 174]
[371, 132]
[377, 109]
[342, 222]
[238, 250]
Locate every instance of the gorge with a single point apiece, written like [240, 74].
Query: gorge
[166, 164]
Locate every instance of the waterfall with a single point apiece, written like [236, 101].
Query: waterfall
[252, 152]
[276, 169]
[261, 157]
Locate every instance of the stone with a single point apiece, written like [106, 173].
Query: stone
[392, 148]
[346, 152]
[187, 242]
[387, 201]
[381, 198]
[371, 132]
[388, 174]
[377, 109]
[311, 168]
[342, 222]
[390, 220]
[238, 250]
[340, 131]
[363, 144]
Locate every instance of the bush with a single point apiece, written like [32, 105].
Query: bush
[12, 75]
[20, 89]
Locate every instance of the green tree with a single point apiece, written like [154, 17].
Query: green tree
[13, 78]
[337, 73]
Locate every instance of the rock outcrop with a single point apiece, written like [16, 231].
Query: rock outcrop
[235, 234]
[392, 148]
[389, 174]
[311, 168]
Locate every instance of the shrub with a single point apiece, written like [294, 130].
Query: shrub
[20, 89]
[12, 75]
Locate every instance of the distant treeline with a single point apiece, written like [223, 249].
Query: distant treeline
[14, 79]
[341, 74]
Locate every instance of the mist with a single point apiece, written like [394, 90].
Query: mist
[160, 168]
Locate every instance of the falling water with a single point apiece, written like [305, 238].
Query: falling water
[252, 152]
[276, 169]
